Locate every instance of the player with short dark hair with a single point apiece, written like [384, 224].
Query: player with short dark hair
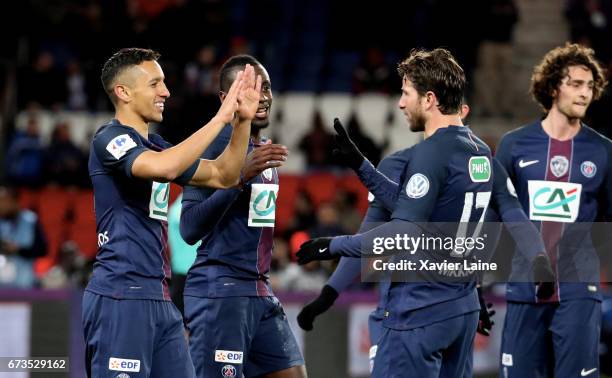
[237, 326]
[131, 327]
[562, 171]
[429, 323]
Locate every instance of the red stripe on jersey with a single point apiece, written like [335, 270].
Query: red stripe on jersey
[552, 231]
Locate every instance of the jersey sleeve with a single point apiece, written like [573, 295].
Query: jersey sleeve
[424, 177]
[504, 155]
[349, 268]
[504, 193]
[117, 149]
[607, 187]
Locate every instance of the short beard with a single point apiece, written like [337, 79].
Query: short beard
[418, 123]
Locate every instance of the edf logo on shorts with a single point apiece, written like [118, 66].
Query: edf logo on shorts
[233, 357]
[120, 364]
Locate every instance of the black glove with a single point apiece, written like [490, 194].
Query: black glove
[345, 151]
[484, 319]
[315, 308]
[314, 249]
[543, 276]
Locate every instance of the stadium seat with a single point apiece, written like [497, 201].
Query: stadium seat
[298, 115]
[285, 204]
[372, 112]
[332, 105]
[321, 187]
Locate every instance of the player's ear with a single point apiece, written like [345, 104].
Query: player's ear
[122, 92]
[222, 95]
[430, 100]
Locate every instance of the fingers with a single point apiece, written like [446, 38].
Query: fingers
[339, 128]
[235, 87]
[258, 84]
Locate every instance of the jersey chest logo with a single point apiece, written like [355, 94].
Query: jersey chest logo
[158, 204]
[262, 205]
[553, 201]
[588, 169]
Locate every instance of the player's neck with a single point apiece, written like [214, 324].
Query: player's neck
[440, 121]
[255, 134]
[558, 126]
[134, 121]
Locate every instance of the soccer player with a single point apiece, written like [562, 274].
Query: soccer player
[504, 202]
[562, 171]
[236, 324]
[131, 327]
[429, 324]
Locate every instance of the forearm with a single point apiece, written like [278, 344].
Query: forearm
[524, 233]
[224, 171]
[363, 244]
[348, 269]
[168, 164]
[383, 189]
[198, 218]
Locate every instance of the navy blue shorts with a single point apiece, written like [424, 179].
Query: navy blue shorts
[551, 339]
[134, 337]
[440, 349]
[232, 336]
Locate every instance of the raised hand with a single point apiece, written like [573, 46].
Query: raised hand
[249, 94]
[263, 157]
[345, 151]
[229, 106]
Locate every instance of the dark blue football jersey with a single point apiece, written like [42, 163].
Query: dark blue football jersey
[131, 217]
[236, 228]
[448, 179]
[563, 186]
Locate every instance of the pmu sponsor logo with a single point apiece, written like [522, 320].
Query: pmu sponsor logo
[233, 357]
[120, 364]
[479, 168]
[554, 201]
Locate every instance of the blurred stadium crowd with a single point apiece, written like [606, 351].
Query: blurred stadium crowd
[325, 59]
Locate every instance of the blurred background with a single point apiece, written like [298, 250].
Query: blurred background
[326, 59]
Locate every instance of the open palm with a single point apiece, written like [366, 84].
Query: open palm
[249, 95]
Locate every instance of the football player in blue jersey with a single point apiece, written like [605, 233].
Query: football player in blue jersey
[236, 324]
[131, 327]
[562, 171]
[429, 323]
[383, 195]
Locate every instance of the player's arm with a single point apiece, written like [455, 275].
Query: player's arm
[379, 184]
[410, 208]
[524, 233]
[348, 270]
[607, 187]
[171, 163]
[203, 208]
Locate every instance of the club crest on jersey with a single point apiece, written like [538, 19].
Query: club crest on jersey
[479, 168]
[559, 165]
[122, 375]
[228, 371]
[120, 145]
[554, 201]
[417, 186]
[588, 169]
[267, 174]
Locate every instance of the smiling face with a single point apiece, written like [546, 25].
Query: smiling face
[144, 90]
[410, 104]
[262, 117]
[575, 93]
